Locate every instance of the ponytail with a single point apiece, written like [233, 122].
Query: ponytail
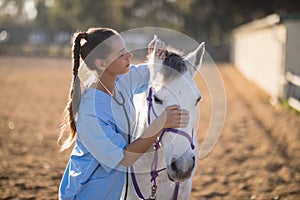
[93, 37]
[72, 106]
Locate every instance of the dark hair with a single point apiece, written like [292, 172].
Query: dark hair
[173, 64]
[93, 38]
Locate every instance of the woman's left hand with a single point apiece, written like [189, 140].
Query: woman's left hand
[160, 50]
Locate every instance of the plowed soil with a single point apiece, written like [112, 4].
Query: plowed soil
[256, 157]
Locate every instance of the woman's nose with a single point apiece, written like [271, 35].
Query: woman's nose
[129, 55]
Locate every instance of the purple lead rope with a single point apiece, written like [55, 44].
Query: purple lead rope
[176, 191]
[135, 184]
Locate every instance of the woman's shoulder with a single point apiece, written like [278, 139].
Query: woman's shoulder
[135, 71]
[93, 94]
[141, 66]
[136, 68]
[93, 100]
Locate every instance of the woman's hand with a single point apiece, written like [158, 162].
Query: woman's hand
[160, 47]
[173, 117]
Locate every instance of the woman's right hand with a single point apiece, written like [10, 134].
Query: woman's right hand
[174, 117]
[160, 47]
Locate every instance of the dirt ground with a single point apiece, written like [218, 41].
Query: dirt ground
[256, 157]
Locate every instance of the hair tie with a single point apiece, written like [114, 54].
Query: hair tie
[84, 35]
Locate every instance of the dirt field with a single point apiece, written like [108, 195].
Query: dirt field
[256, 157]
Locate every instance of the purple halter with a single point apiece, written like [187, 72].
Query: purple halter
[154, 171]
[172, 130]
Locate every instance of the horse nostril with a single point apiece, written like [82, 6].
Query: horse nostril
[194, 161]
[173, 166]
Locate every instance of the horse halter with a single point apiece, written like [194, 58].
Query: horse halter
[154, 171]
[171, 130]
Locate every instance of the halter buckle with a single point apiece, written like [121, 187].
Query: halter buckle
[153, 192]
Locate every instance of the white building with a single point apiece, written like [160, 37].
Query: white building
[267, 52]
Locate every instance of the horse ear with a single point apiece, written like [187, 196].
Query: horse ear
[194, 59]
[154, 63]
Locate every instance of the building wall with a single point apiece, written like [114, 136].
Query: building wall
[293, 46]
[293, 56]
[260, 55]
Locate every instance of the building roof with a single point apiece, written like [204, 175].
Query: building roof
[265, 22]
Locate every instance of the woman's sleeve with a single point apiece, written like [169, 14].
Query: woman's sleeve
[101, 140]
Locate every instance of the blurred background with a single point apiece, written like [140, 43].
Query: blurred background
[254, 43]
[44, 26]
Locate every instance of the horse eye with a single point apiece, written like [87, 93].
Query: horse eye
[197, 101]
[157, 100]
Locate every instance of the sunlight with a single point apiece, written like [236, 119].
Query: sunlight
[30, 9]
[10, 9]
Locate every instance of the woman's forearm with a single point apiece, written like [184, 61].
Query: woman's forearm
[172, 117]
[137, 148]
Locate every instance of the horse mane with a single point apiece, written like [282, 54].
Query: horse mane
[174, 64]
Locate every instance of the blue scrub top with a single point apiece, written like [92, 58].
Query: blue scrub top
[93, 170]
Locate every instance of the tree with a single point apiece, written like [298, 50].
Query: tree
[207, 20]
[78, 14]
[12, 12]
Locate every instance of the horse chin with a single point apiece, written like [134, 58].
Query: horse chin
[179, 177]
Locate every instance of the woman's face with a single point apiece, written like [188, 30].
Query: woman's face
[119, 59]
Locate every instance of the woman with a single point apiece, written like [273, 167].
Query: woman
[105, 117]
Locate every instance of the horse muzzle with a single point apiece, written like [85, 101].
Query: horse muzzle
[181, 169]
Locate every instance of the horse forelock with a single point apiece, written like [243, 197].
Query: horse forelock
[174, 64]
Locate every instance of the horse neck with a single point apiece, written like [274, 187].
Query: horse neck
[141, 110]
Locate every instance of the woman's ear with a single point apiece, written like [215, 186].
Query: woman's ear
[100, 64]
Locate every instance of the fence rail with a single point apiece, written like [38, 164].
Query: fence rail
[295, 81]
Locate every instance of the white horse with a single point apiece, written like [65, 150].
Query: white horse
[166, 170]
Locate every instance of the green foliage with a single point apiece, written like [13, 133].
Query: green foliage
[11, 11]
[204, 20]
[79, 14]
[213, 16]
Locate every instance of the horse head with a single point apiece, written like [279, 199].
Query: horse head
[171, 83]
